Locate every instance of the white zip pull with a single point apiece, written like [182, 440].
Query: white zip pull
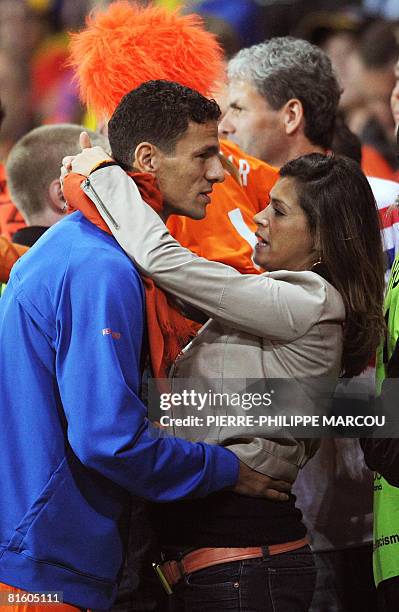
[89, 189]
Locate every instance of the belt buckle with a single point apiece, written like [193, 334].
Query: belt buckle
[159, 572]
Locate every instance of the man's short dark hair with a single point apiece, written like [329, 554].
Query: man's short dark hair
[157, 112]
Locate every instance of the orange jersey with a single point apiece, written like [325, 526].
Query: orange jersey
[11, 219]
[373, 164]
[227, 232]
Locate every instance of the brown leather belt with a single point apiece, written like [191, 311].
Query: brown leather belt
[173, 571]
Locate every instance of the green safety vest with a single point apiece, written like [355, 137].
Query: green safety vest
[386, 497]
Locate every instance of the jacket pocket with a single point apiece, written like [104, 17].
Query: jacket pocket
[79, 521]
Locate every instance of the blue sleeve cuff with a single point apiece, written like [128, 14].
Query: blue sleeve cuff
[225, 468]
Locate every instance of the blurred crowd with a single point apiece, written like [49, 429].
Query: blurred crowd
[362, 40]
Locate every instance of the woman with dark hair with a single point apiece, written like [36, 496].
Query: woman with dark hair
[343, 219]
[316, 313]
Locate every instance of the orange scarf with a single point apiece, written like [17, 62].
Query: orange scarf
[168, 331]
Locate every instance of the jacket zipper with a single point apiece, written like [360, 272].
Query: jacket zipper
[88, 188]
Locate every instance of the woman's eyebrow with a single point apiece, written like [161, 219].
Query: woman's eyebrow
[280, 202]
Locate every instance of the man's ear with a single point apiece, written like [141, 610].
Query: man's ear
[147, 157]
[293, 116]
[56, 197]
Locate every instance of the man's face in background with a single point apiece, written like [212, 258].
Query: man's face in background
[252, 123]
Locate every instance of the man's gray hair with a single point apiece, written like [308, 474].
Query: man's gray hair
[284, 68]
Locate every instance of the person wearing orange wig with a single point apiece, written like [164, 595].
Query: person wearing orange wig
[126, 45]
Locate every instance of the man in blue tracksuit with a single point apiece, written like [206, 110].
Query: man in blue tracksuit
[75, 440]
[74, 437]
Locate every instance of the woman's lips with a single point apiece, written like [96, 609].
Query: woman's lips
[204, 197]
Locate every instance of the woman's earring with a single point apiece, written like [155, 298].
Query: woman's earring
[316, 264]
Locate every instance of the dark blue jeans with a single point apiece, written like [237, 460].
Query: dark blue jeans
[277, 583]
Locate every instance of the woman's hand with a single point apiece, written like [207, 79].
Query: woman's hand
[86, 161]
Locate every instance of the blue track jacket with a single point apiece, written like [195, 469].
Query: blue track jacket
[74, 438]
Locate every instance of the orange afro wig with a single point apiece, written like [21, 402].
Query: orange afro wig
[127, 45]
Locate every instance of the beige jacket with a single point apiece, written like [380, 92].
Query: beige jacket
[274, 325]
